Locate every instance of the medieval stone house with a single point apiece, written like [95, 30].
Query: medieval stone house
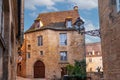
[11, 32]
[94, 62]
[50, 44]
[109, 12]
[94, 57]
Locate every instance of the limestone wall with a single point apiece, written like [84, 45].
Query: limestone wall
[51, 51]
[110, 35]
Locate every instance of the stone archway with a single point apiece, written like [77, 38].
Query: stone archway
[39, 69]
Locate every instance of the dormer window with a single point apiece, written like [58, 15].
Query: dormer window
[39, 23]
[69, 22]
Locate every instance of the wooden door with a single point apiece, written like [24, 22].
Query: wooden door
[63, 71]
[39, 70]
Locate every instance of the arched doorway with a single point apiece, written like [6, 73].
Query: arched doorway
[19, 69]
[39, 69]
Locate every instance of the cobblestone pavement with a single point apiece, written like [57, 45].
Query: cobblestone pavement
[21, 78]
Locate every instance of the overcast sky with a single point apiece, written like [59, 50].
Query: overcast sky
[88, 10]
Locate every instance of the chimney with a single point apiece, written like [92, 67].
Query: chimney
[75, 8]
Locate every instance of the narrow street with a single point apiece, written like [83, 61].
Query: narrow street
[59, 40]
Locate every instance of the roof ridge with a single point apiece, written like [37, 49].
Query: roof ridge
[55, 12]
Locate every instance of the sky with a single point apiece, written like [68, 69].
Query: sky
[88, 11]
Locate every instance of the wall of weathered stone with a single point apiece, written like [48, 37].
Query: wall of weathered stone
[22, 72]
[1, 60]
[10, 40]
[51, 51]
[110, 35]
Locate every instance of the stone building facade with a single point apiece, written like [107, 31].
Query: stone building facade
[11, 30]
[94, 61]
[50, 44]
[94, 57]
[109, 13]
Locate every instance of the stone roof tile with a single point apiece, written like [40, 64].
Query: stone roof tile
[56, 19]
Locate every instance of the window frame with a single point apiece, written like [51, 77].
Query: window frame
[28, 55]
[63, 39]
[90, 53]
[38, 24]
[40, 40]
[63, 56]
[118, 5]
[69, 23]
[41, 53]
[29, 47]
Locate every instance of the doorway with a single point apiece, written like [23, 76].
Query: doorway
[39, 69]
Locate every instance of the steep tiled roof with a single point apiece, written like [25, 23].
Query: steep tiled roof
[54, 20]
[96, 47]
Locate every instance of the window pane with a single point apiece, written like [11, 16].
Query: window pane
[29, 47]
[69, 24]
[28, 55]
[40, 41]
[63, 39]
[118, 5]
[63, 56]
[41, 52]
[38, 24]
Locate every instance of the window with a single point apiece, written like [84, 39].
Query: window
[40, 41]
[28, 55]
[97, 53]
[89, 53]
[63, 39]
[69, 24]
[38, 24]
[63, 55]
[118, 5]
[29, 47]
[41, 52]
[113, 2]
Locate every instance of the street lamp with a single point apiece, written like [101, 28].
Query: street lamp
[79, 25]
